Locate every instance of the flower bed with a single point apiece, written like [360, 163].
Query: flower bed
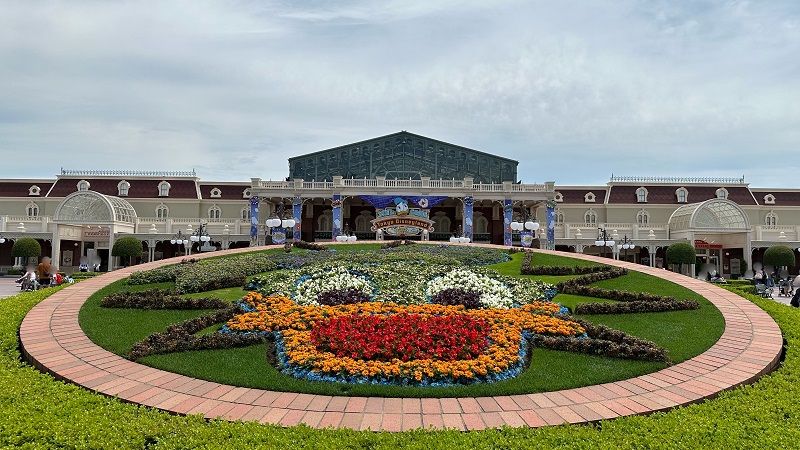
[295, 328]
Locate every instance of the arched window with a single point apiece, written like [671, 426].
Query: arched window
[162, 211]
[216, 193]
[643, 217]
[83, 185]
[771, 220]
[32, 210]
[722, 193]
[682, 195]
[122, 188]
[559, 217]
[163, 189]
[589, 197]
[246, 213]
[34, 190]
[641, 195]
[364, 221]
[590, 217]
[481, 223]
[324, 222]
[214, 212]
[558, 197]
[769, 199]
[441, 223]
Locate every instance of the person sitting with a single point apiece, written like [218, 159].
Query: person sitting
[43, 271]
[27, 282]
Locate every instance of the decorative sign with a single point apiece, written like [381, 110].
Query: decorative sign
[551, 224]
[102, 232]
[254, 220]
[699, 243]
[278, 236]
[526, 238]
[401, 220]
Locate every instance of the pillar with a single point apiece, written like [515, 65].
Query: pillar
[468, 204]
[551, 224]
[55, 251]
[336, 206]
[508, 210]
[297, 213]
[110, 247]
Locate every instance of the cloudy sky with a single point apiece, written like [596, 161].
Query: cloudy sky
[574, 90]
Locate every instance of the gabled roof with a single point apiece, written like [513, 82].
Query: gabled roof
[21, 188]
[139, 187]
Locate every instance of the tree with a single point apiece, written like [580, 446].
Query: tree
[127, 246]
[681, 253]
[779, 256]
[26, 248]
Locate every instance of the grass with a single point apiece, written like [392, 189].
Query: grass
[39, 412]
[684, 334]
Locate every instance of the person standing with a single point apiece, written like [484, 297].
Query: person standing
[43, 272]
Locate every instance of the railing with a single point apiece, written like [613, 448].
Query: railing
[152, 220]
[24, 218]
[488, 187]
[528, 188]
[359, 182]
[128, 173]
[276, 184]
[695, 180]
[317, 185]
[448, 184]
[403, 183]
[397, 183]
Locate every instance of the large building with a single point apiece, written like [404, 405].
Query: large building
[402, 184]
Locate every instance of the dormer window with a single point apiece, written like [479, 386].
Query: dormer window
[722, 193]
[163, 189]
[558, 197]
[641, 195]
[246, 193]
[216, 193]
[122, 188]
[34, 190]
[589, 197]
[83, 185]
[769, 199]
[682, 195]
[214, 212]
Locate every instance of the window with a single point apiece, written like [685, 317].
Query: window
[214, 212]
[83, 185]
[216, 193]
[641, 195]
[589, 197]
[771, 220]
[34, 190]
[682, 195]
[558, 197]
[122, 188]
[32, 210]
[246, 213]
[246, 193]
[559, 217]
[722, 193]
[769, 199]
[643, 217]
[162, 212]
[163, 189]
[590, 217]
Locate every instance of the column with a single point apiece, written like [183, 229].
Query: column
[336, 206]
[55, 256]
[508, 209]
[110, 248]
[551, 224]
[297, 212]
[254, 201]
[468, 203]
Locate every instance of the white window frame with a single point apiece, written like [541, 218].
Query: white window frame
[769, 199]
[590, 197]
[643, 217]
[162, 207]
[246, 213]
[558, 217]
[558, 197]
[216, 193]
[590, 217]
[34, 190]
[32, 208]
[163, 189]
[214, 212]
[771, 220]
[685, 192]
[722, 193]
[641, 195]
[83, 185]
[122, 188]
[246, 193]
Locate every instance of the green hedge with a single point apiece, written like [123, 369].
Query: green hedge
[38, 412]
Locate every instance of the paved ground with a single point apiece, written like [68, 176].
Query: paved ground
[750, 347]
[8, 287]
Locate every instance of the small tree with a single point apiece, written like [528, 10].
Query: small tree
[127, 246]
[26, 248]
[779, 256]
[681, 253]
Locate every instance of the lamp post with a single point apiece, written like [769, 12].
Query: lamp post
[458, 237]
[180, 238]
[603, 240]
[527, 223]
[2, 239]
[278, 220]
[626, 244]
[200, 236]
[347, 235]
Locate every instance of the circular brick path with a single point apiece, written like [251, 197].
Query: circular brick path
[750, 347]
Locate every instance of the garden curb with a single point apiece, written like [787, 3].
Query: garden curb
[750, 347]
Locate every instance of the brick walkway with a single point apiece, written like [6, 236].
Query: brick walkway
[750, 347]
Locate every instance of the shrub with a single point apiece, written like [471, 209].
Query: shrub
[637, 306]
[779, 256]
[127, 246]
[455, 297]
[310, 246]
[681, 253]
[160, 299]
[26, 248]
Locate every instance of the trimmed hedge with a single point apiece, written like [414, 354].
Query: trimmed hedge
[528, 268]
[39, 412]
[310, 246]
[160, 299]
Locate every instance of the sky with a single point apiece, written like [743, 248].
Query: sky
[574, 90]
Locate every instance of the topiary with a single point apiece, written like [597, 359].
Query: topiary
[779, 256]
[26, 248]
[127, 246]
[681, 253]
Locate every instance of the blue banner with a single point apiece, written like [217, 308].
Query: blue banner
[468, 202]
[382, 201]
[508, 210]
[254, 220]
[336, 205]
[526, 238]
[279, 235]
[297, 212]
[551, 225]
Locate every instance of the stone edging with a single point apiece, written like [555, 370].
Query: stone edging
[749, 348]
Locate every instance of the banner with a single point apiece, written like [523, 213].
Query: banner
[254, 220]
[508, 210]
[526, 238]
[336, 205]
[297, 212]
[382, 201]
[551, 224]
[279, 235]
[468, 202]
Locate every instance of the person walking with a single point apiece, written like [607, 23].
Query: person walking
[43, 272]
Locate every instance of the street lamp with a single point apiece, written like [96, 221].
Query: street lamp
[278, 219]
[458, 237]
[527, 223]
[180, 238]
[603, 240]
[2, 239]
[347, 235]
[626, 244]
[200, 236]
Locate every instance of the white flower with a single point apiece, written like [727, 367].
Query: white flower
[334, 279]
[493, 293]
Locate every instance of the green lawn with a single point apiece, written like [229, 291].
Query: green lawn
[683, 333]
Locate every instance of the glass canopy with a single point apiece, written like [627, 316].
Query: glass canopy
[90, 206]
[717, 214]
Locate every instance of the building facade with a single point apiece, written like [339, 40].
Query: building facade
[400, 185]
